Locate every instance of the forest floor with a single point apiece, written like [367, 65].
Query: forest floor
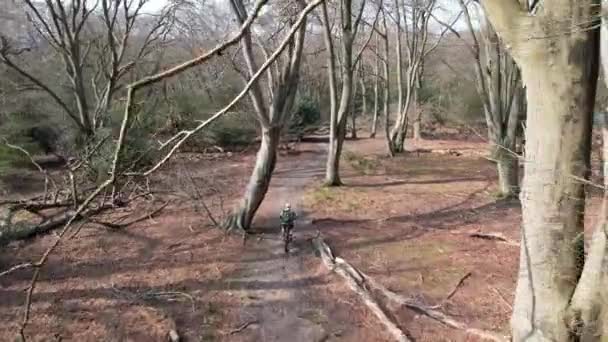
[406, 221]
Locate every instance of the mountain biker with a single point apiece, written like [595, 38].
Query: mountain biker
[288, 218]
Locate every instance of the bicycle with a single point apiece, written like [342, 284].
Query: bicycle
[287, 236]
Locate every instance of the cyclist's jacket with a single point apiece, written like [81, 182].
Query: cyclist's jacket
[287, 217]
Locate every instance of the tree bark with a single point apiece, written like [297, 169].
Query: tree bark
[417, 114]
[353, 107]
[508, 173]
[259, 181]
[558, 146]
[560, 74]
[376, 90]
[588, 312]
[339, 114]
[387, 84]
[498, 84]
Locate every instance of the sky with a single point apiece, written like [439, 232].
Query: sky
[451, 8]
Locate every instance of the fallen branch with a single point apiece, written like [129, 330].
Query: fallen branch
[355, 281]
[494, 237]
[242, 327]
[17, 267]
[22, 231]
[433, 313]
[123, 225]
[361, 281]
[458, 285]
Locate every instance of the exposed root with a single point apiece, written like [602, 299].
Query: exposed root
[355, 281]
[360, 283]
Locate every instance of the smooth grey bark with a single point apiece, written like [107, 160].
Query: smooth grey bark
[259, 180]
[560, 73]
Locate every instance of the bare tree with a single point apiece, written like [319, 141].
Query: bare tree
[87, 33]
[499, 86]
[272, 110]
[557, 51]
[412, 22]
[339, 112]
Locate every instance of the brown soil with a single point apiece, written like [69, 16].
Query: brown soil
[405, 221]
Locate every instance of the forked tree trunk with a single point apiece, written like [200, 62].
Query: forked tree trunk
[560, 74]
[258, 182]
[339, 115]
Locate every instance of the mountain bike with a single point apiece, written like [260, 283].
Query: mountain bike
[286, 232]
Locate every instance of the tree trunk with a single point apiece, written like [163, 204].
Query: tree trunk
[417, 114]
[332, 174]
[387, 84]
[258, 182]
[338, 121]
[353, 107]
[376, 91]
[561, 85]
[508, 173]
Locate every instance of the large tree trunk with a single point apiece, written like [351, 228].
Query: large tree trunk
[258, 182]
[588, 312]
[560, 73]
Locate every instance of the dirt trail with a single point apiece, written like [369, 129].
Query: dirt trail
[277, 288]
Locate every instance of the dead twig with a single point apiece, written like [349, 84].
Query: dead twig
[148, 216]
[453, 292]
[16, 268]
[242, 327]
[494, 237]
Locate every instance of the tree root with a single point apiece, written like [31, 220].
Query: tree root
[360, 283]
[356, 282]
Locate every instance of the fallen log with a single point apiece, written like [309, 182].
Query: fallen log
[360, 283]
[355, 281]
[20, 231]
